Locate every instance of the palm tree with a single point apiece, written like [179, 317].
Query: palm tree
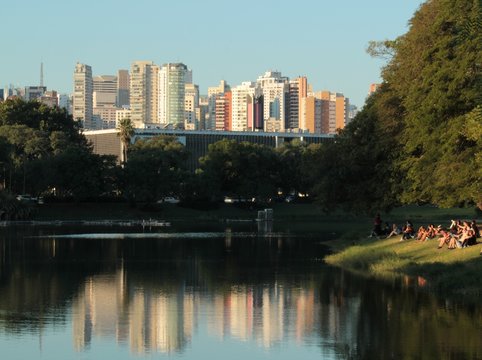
[126, 130]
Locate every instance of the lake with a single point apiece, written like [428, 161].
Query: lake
[212, 291]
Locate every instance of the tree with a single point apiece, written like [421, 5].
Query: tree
[156, 168]
[243, 169]
[126, 131]
[435, 73]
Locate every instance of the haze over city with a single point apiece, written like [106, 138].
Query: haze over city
[324, 41]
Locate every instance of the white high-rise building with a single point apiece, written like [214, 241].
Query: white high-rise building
[82, 100]
[144, 93]
[274, 87]
[242, 96]
[172, 80]
[191, 104]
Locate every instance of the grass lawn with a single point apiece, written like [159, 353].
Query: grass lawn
[456, 273]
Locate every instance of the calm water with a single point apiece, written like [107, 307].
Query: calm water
[211, 292]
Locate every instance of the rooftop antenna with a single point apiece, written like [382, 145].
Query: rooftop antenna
[41, 74]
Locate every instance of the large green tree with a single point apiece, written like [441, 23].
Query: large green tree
[435, 72]
[418, 139]
[242, 169]
[156, 168]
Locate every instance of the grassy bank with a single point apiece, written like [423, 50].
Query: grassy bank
[455, 273]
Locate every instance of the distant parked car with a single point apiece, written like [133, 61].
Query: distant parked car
[169, 200]
[233, 200]
[26, 198]
[290, 198]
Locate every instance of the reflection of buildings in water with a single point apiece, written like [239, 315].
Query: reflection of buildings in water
[148, 321]
[96, 310]
[305, 313]
[165, 320]
[159, 320]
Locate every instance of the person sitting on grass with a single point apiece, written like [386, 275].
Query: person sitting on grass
[467, 234]
[445, 238]
[395, 231]
[422, 233]
[408, 231]
[431, 231]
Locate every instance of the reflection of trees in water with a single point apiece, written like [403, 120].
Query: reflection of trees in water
[148, 293]
[393, 321]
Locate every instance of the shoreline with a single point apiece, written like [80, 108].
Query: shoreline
[452, 273]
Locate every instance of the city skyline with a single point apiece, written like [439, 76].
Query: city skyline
[324, 41]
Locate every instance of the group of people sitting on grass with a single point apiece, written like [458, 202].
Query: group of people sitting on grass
[460, 234]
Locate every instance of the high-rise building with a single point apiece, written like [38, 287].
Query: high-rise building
[297, 90]
[334, 111]
[311, 114]
[191, 104]
[274, 88]
[241, 96]
[213, 92]
[105, 90]
[223, 111]
[202, 112]
[144, 90]
[82, 100]
[123, 85]
[172, 80]
[342, 105]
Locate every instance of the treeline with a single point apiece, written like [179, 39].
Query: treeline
[42, 153]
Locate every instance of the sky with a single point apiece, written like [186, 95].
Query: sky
[237, 41]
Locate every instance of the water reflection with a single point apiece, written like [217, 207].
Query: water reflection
[158, 295]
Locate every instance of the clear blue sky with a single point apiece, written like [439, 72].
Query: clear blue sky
[232, 40]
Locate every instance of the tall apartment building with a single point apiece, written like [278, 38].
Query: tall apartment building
[191, 104]
[82, 99]
[342, 111]
[123, 85]
[105, 101]
[311, 109]
[241, 96]
[202, 112]
[104, 90]
[297, 90]
[172, 80]
[334, 111]
[213, 93]
[275, 88]
[223, 111]
[144, 90]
